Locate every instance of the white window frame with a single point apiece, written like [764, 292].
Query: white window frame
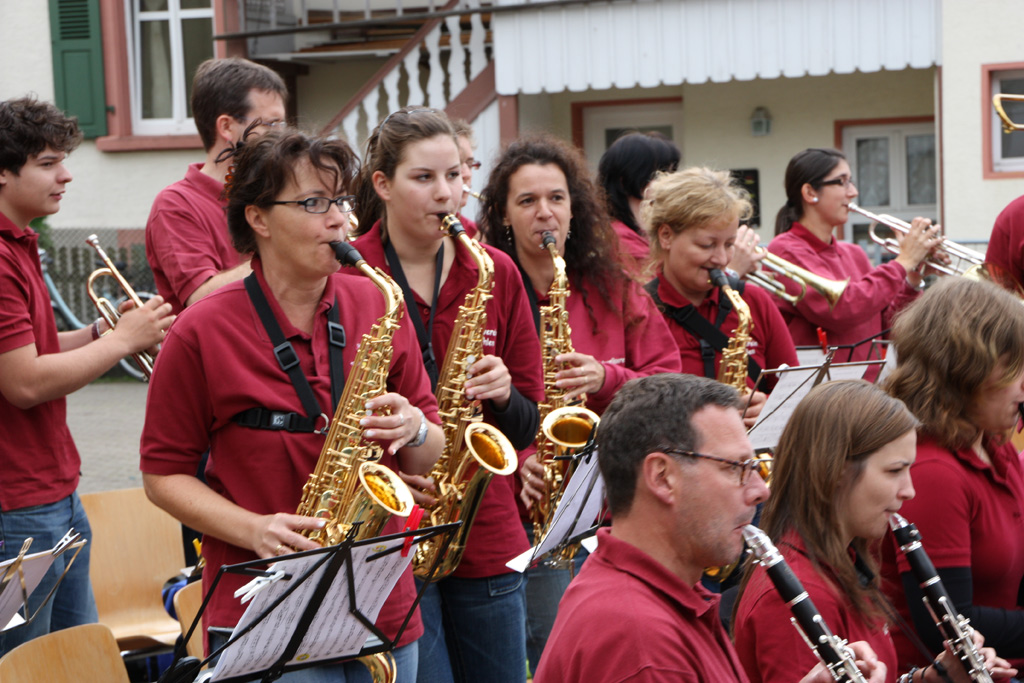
[597, 119]
[180, 123]
[899, 205]
[1002, 164]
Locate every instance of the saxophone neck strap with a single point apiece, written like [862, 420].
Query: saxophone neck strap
[531, 295]
[424, 332]
[712, 340]
[288, 359]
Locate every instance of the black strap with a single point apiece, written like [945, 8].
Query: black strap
[531, 295]
[424, 333]
[288, 359]
[712, 340]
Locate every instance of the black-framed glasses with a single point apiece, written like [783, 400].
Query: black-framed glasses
[843, 181]
[762, 464]
[346, 204]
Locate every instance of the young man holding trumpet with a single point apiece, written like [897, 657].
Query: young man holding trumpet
[39, 366]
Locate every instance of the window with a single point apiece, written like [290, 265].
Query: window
[596, 125]
[895, 169]
[168, 41]
[1007, 148]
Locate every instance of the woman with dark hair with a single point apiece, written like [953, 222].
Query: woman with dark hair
[474, 618]
[218, 383]
[819, 189]
[842, 467]
[539, 186]
[960, 370]
[624, 171]
[694, 217]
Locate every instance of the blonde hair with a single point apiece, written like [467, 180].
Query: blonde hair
[691, 198]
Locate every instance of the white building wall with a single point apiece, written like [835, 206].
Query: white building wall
[974, 33]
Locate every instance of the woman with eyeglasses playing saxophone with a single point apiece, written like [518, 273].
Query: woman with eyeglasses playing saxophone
[540, 186]
[842, 467]
[819, 189]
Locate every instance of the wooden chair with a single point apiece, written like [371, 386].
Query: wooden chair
[187, 602]
[75, 654]
[136, 548]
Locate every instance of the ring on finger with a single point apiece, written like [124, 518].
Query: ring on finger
[279, 550]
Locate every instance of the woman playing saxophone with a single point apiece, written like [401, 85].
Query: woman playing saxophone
[220, 385]
[540, 187]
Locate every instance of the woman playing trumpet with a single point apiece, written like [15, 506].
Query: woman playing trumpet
[819, 189]
[694, 217]
[287, 204]
[842, 467]
[539, 186]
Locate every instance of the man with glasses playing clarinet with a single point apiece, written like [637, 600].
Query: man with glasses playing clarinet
[681, 481]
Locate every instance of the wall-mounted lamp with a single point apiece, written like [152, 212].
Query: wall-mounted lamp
[760, 122]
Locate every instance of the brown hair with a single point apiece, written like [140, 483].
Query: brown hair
[948, 343]
[264, 166]
[819, 458]
[385, 149]
[691, 198]
[807, 167]
[222, 86]
[28, 126]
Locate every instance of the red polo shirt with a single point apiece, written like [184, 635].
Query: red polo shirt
[770, 344]
[970, 515]
[187, 240]
[218, 361]
[39, 463]
[768, 644]
[1006, 245]
[867, 305]
[634, 249]
[496, 536]
[625, 617]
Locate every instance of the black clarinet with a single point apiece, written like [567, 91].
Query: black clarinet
[955, 629]
[831, 649]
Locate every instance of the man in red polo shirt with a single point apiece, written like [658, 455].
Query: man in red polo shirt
[187, 242]
[39, 465]
[680, 484]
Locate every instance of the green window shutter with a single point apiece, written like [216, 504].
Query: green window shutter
[78, 63]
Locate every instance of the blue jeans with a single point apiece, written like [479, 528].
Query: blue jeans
[351, 671]
[73, 603]
[480, 624]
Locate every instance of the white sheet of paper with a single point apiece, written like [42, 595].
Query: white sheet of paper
[791, 388]
[843, 371]
[565, 523]
[34, 567]
[810, 356]
[334, 632]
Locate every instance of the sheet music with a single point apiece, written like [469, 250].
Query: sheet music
[838, 371]
[566, 523]
[890, 364]
[810, 355]
[334, 632]
[33, 568]
[791, 388]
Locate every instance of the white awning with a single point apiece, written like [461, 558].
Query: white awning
[645, 43]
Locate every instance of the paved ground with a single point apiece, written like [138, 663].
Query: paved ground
[106, 421]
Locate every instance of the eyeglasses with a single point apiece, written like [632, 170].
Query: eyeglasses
[345, 204]
[473, 163]
[762, 464]
[844, 181]
[259, 122]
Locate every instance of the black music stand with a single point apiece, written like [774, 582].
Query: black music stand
[333, 560]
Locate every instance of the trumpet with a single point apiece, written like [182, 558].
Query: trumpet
[964, 261]
[469, 190]
[107, 310]
[830, 289]
[997, 101]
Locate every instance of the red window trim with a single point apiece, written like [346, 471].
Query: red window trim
[988, 171]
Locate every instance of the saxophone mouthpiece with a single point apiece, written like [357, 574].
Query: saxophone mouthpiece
[450, 224]
[718, 278]
[346, 254]
[547, 240]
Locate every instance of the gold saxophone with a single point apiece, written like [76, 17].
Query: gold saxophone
[565, 424]
[349, 486]
[733, 368]
[473, 451]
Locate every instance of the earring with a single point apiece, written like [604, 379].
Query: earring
[814, 200]
[508, 233]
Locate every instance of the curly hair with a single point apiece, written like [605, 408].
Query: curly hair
[589, 255]
[28, 126]
[628, 165]
[264, 166]
[819, 458]
[948, 343]
[385, 150]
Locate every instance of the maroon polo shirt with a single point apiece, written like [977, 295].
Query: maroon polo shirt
[39, 463]
[634, 249]
[625, 617]
[1006, 244]
[218, 361]
[496, 536]
[770, 344]
[187, 240]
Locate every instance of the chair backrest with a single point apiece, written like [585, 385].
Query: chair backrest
[136, 548]
[187, 602]
[75, 654]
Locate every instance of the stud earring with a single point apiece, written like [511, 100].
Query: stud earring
[508, 233]
[814, 200]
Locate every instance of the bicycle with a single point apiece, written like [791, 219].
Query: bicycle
[67, 320]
